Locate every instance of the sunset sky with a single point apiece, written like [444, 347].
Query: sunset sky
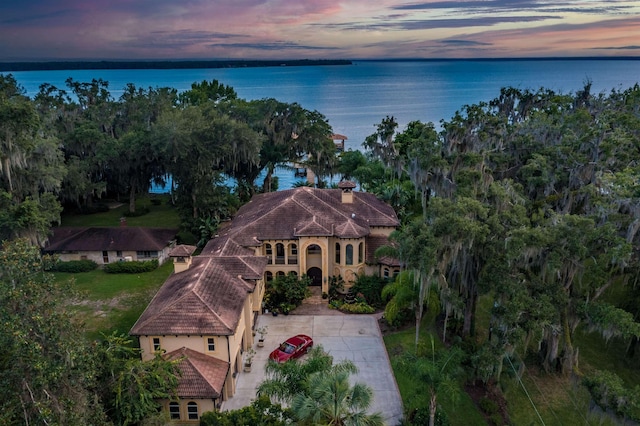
[307, 29]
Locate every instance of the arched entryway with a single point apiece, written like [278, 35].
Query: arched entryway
[316, 275]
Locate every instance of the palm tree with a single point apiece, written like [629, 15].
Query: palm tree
[437, 373]
[284, 381]
[331, 400]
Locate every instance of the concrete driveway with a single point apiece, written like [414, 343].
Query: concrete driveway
[353, 337]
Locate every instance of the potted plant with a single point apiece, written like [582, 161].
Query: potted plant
[262, 331]
[248, 359]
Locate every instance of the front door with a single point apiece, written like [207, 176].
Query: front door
[316, 275]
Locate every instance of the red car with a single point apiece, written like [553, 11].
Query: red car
[293, 347]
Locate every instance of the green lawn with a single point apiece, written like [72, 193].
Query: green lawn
[163, 215]
[113, 302]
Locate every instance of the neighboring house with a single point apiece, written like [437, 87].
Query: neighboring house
[204, 314]
[111, 244]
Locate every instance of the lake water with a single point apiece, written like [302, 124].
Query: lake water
[355, 98]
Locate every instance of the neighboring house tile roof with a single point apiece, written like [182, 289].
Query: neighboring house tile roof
[182, 250]
[109, 238]
[201, 376]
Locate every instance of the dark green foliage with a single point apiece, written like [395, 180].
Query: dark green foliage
[260, 412]
[286, 292]
[47, 371]
[131, 267]
[137, 212]
[130, 387]
[370, 286]
[609, 392]
[74, 266]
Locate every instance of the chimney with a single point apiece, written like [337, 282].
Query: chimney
[347, 191]
[182, 256]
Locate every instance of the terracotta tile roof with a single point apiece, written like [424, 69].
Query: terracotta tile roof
[350, 229]
[109, 238]
[182, 250]
[373, 243]
[307, 212]
[204, 299]
[202, 376]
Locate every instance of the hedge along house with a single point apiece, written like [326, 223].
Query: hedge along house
[206, 310]
[105, 245]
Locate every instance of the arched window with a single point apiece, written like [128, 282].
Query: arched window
[386, 273]
[269, 253]
[279, 274]
[337, 253]
[314, 249]
[279, 254]
[360, 252]
[292, 259]
[268, 276]
[348, 255]
[293, 273]
[192, 411]
[174, 411]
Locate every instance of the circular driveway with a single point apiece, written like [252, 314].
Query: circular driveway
[353, 337]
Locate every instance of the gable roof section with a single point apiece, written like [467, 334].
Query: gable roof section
[204, 299]
[201, 376]
[109, 238]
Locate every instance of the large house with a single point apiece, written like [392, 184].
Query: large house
[205, 312]
[107, 244]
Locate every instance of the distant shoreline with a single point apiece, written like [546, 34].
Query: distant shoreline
[161, 65]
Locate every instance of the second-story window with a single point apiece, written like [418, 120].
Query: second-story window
[211, 344]
[292, 259]
[348, 255]
[269, 253]
[338, 253]
[279, 254]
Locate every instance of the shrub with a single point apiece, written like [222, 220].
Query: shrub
[139, 212]
[370, 287]
[356, 308]
[131, 267]
[74, 266]
[97, 208]
[488, 406]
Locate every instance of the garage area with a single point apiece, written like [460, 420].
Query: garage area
[353, 337]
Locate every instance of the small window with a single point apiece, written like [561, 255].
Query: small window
[338, 253]
[268, 276]
[192, 411]
[348, 255]
[386, 273]
[174, 410]
[211, 344]
[269, 253]
[360, 252]
[156, 343]
[119, 253]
